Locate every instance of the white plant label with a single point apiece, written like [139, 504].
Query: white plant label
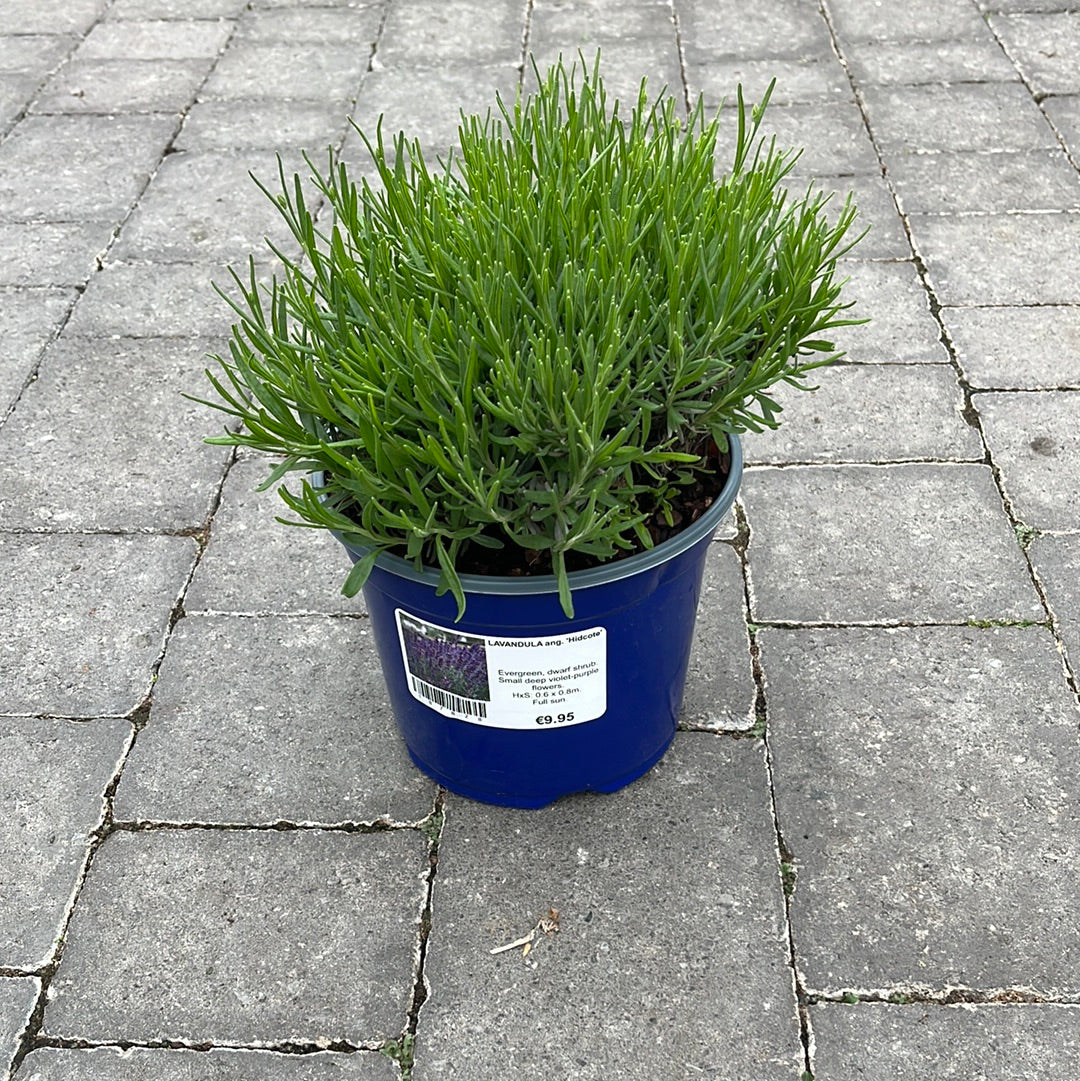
[537, 684]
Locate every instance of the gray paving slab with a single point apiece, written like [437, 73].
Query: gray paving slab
[1023, 5]
[1044, 46]
[1057, 563]
[315, 72]
[53, 777]
[98, 453]
[964, 116]
[50, 253]
[886, 238]
[917, 20]
[122, 86]
[204, 205]
[1064, 114]
[1034, 439]
[271, 719]
[176, 9]
[145, 1064]
[262, 123]
[893, 543]
[31, 53]
[28, 319]
[85, 619]
[668, 894]
[832, 136]
[143, 300]
[156, 39]
[985, 182]
[17, 998]
[926, 787]
[426, 33]
[626, 61]
[988, 259]
[916, 63]
[871, 413]
[1016, 348]
[901, 328]
[15, 91]
[32, 17]
[779, 28]
[253, 563]
[799, 80]
[243, 937]
[594, 19]
[908, 1043]
[357, 22]
[720, 689]
[427, 105]
[82, 168]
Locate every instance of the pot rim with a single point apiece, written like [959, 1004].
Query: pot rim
[613, 571]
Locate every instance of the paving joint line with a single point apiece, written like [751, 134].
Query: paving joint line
[526, 36]
[291, 1048]
[921, 995]
[784, 855]
[381, 824]
[680, 48]
[433, 826]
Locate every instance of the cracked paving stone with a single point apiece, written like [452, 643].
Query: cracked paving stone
[243, 937]
[271, 719]
[53, 777]
[668, 894]
[926, 787]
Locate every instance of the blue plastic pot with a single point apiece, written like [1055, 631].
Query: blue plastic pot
[518, 705]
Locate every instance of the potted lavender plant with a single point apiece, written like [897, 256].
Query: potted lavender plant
[513, 386]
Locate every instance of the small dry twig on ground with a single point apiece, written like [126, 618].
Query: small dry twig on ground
[548, 924]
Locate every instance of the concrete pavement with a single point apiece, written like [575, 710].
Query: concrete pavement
[862, 857]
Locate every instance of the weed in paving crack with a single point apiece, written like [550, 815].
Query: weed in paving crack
[401, 1052]
[1025, 534]
[788, 876]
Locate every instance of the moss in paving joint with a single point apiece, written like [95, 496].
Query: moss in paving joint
[987, 624]
[1026, 534]
[788, 878]
[401, 1051]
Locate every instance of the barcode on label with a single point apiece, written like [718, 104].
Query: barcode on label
[470, 707]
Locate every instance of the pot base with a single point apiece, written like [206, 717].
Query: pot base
[532, 802]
